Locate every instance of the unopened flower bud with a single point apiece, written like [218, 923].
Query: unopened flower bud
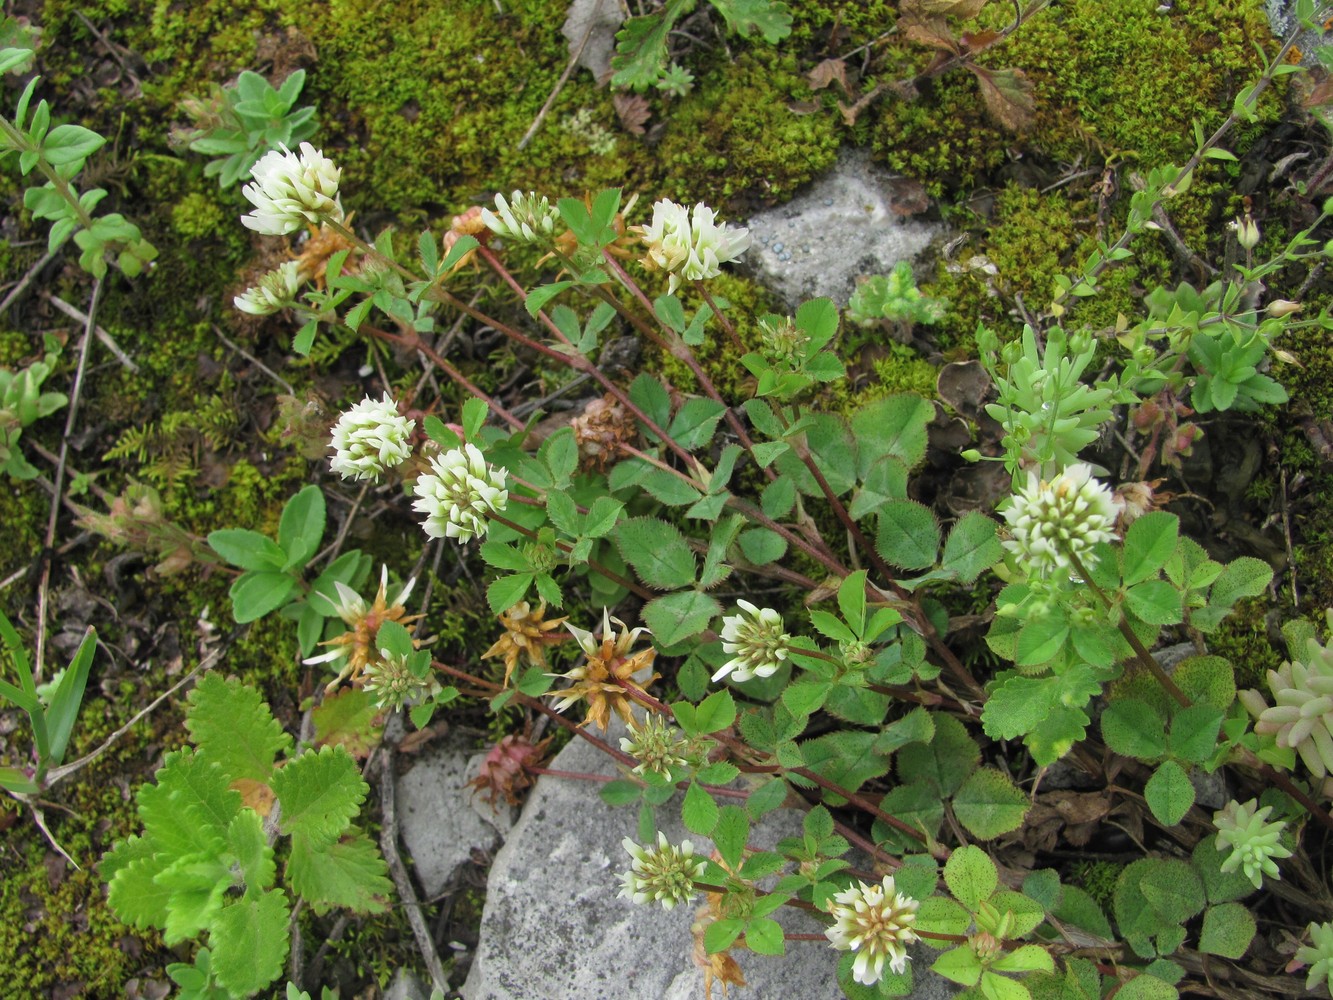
[1247, 231]
[1283, 307]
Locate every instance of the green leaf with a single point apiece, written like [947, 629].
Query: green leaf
[246, 840]
[895, 425]
[506, 591]
[767, 797]
[730, 835]
[231, 724]
[989, 804]
[256, 593]
[761, 546]
[1207, 680]
[763, 936]
[694, 425]
[1169, 793]
[537, 298]
[1243, 577]
[602, 516]
[1145, 987]
[779, 497]
[1220, 886]
[1149, 542]
[247, 549]
[847, 758]
[1155, 602]
[770, 19]
[721, 933]
[657, 551]
[1025, 958]
[1078, 908]
[971, 876]
[302, 526]
[68, 697]
[959, 965]
[699, 811]
[971, 548]
[908, 534]
[348, 872]
[1227, 931]
[1131, 728]
[190, 808]
[319, 792]
[649, 396]
[1040, 640]
[1194, 732]
[621, 792]
[715, 713]
[673, 618]
[249, 942]
[945, 761]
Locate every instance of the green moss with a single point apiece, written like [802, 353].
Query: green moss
[1243, 639]
[736, 137]
[196, 216]
[1097, 879]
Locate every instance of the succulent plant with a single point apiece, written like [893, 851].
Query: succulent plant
[1302, 717]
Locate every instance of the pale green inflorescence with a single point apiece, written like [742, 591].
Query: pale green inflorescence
[390, 682]
[1254, 842]
[371, 438]
[657, 746]
[1052, 521]
[690, 245]
[756, 640]
[875, 921]
[459, 494]
[276, 291]
[524, 218]
[664, 873]
[290, 191]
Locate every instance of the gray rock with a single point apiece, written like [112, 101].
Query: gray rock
[1282, 19]
[407, 986]
[840, 228]
[440, 819]
[554, 926]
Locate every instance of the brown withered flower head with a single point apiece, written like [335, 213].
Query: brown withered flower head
[602, 425]
[526, 635]
[323, 244]
[719, 966]
[606, 675]
[357, 645]
[466, 223]
[503, 772]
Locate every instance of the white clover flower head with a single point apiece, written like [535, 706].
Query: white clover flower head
[657, 746]
[1319, 956]
[371, 438]
[1253, 841]
[663, 873]
[1302, 718]
[524, 218]
[276, 291]
[390, 682]
[875, 921]
[1049, 521]
[459, 494]
[756, 638]
[290, 190]
[692, 246]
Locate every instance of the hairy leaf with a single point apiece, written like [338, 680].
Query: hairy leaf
[231, 724]
[348, 872]
[320, 792]
[249, 942]
[989, 804]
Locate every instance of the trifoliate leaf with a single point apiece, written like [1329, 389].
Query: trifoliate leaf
[249, 942]
[946, 760]
[1132, 728]
[319, 792]
[231, 725]
[657, 551]
[848, 759]
[348, 873]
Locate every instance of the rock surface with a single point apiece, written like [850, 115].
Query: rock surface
[441, 821]
[842, 227]
[555, 928]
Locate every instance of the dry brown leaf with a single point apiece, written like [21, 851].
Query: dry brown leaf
[827, 72]
[633, 111]
[255, 794]
[907, 197]
[930, 31]
[849, 113]
[1008, 96]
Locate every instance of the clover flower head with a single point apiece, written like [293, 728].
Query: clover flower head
[363, 620]
[527, 634]
[1319, 955]
[391, 683]
[276, 291]
[875, 921]
[605, 678]
[459, 493]
[1253, 841]
[370, 438]
[1302, 718]
[1050, 521]
[756, 638]
[290, 190]
[657, 746]
[690, 244]
[664, 873]
[524, 218]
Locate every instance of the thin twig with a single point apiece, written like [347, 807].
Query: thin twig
[70, 418]
[254, 360]
[24, 282]
[401, 880]
[107, 340]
